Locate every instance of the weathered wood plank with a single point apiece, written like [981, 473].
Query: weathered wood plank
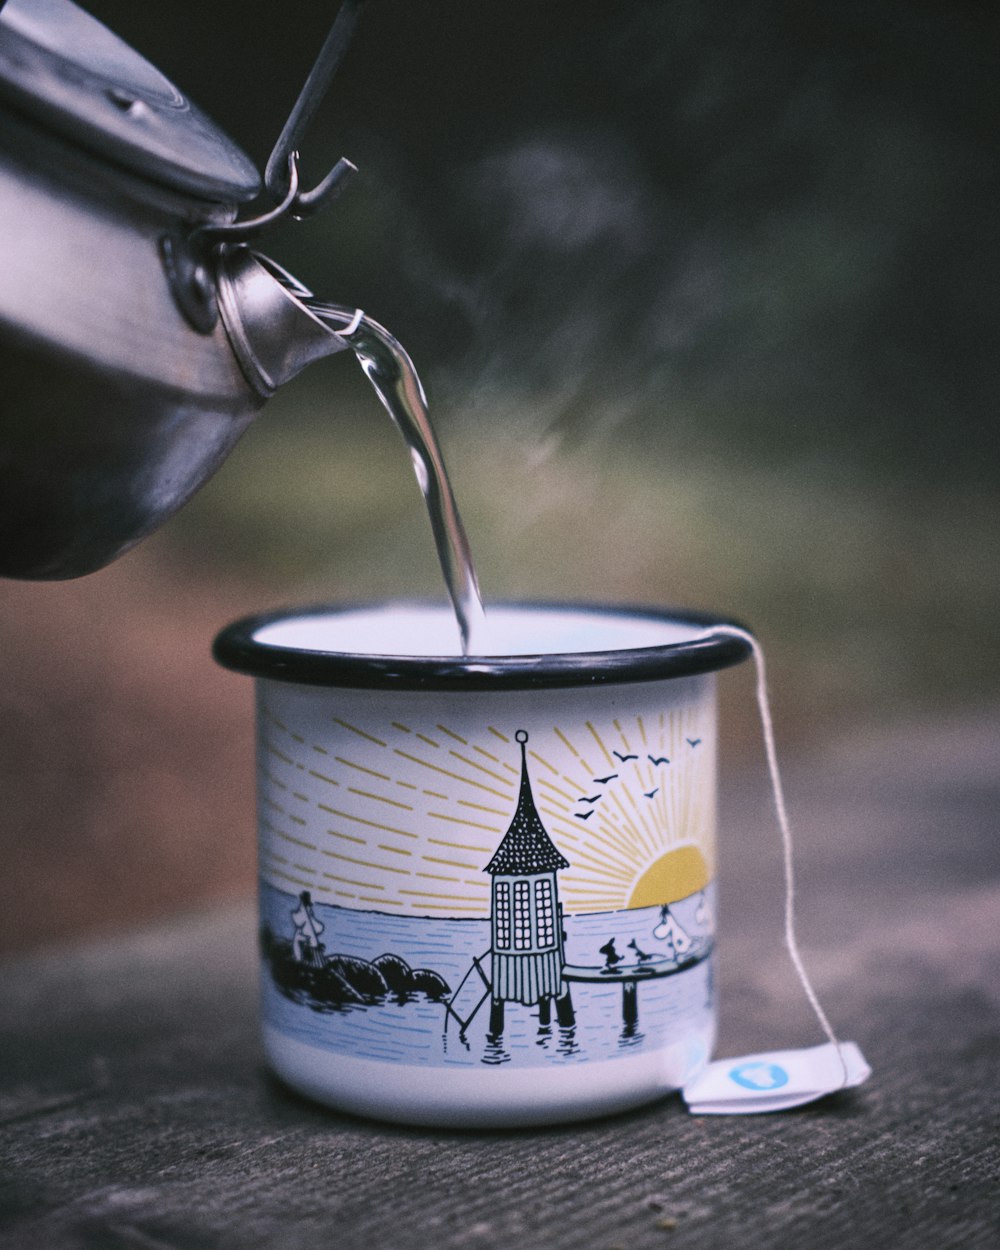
[135, 1113]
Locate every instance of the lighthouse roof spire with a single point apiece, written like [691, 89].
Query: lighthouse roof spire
[526, 846]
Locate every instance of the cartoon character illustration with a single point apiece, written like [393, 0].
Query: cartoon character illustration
[306, 946]
[642, 956]
[670, 930]
[611, 956]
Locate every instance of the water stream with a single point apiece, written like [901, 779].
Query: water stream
[394, 378]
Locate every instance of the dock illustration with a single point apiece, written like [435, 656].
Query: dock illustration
[526, 963]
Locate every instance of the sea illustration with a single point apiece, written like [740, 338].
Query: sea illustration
[416, 1028]
[533, 980]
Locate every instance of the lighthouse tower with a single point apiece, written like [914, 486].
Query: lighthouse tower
[527, 939]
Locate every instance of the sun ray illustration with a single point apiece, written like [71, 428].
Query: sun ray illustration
[629, 801]
[548, 787]
[597, 738]
[360, 732]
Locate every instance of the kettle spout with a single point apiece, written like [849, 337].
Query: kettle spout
[273, 332]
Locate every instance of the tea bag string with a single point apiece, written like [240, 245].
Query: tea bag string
[777, 790]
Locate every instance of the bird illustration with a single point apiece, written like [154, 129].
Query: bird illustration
[584, 815]
[657, 759]
[623, 758]
[693, 742]
[642, 955]
[603, 781]
[592, 798]
[649, 794]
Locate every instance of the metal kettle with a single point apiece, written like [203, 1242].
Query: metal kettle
[139, 332]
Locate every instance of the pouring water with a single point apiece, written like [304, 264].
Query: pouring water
[392, 374]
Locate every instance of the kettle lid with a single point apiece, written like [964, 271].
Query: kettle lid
[68, 71]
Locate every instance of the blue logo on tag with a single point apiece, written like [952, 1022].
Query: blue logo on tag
[759, 1076]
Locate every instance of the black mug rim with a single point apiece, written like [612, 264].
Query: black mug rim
[237, 648]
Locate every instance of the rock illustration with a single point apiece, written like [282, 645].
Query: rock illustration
[338, 980]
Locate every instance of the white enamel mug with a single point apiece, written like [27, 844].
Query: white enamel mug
[487, 884]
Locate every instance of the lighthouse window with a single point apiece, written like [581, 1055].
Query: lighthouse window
[502, 915]
[522, 916]
[544, 913]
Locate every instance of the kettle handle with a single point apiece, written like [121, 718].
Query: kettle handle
[276, 175]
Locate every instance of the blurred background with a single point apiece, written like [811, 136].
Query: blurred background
[705, 298]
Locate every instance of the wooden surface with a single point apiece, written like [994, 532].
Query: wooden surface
[136, 1114]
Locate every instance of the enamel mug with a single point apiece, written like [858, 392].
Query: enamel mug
[487, 884]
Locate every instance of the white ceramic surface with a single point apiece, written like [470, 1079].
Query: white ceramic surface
[486, 906]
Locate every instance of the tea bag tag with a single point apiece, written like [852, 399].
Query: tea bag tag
[775, 1080]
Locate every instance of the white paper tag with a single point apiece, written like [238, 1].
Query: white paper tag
[775, 1080]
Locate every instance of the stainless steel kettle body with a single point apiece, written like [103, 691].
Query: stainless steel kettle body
[113, 408]
[135, 346]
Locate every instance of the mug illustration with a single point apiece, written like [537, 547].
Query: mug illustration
[445, 899]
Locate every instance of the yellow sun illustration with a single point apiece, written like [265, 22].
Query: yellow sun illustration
[674, 875]
[404, 817]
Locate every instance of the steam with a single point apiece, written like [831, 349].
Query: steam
[563, 198]
[567, 224]
[742, 240]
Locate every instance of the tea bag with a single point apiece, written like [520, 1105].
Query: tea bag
[779, 1079]
[775, 1079]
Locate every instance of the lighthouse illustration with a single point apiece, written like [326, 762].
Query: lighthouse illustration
[527, 930]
